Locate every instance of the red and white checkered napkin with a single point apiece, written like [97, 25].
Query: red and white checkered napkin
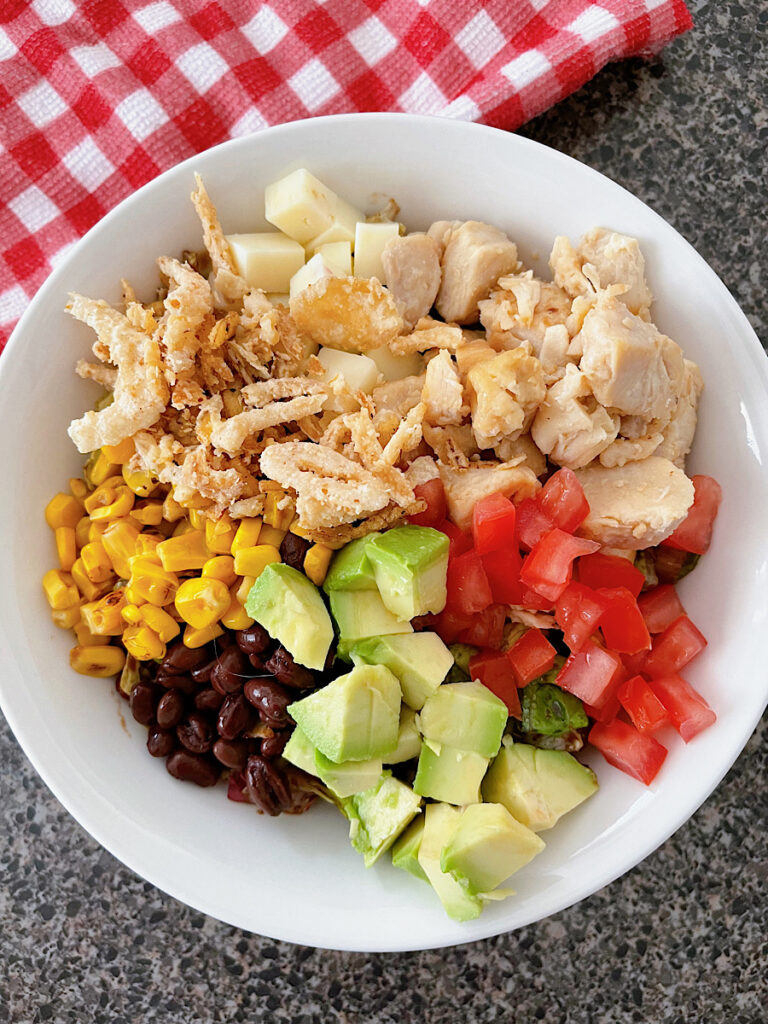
[99, 96]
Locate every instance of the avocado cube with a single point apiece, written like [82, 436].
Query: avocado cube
[347, 778]
[350, 568]
[537, 786]
[448, 774]
[550, 711]
[361, 613]
[464, 715]
[408, 739]
[405, 850]
[410, 564]
[290, 608]
[488, 846]
[300, 752]
[379, 815]
[440, 822]
[421, 661]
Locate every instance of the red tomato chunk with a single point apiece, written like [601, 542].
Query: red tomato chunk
[592, 675]
[599, 570]
[548, 566]
[485, 629]
[564, 501]
[468, 587]
[493, 523]
[674, 648]
[503, 571]
[578, 611]
[531, 656]
[635, 753]
[493, 670]
[687, 709]
[433, 493]
[694, 534]
[642, 705]
[532, 523]
[660, 607]
[622, 623]
[459, 542]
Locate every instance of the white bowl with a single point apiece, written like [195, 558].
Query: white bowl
[297, 878]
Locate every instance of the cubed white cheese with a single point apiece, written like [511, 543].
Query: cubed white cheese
[313, 270]
[342, 228]
[394, 367]
[279, 298]
[300, 205]
[337, 256]
[266, 259]
[360, 373]
[370, 240]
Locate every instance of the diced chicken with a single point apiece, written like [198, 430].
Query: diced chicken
[475, 351]
[443, 393]
[398, 396]
[476, 255]
[637, 505]
[453, 446]
[523, 452]
[465, 487]
[603, 259]
[631, 367]
[678, 434]
[421, 471]
[440, 232]
[569, 426]
[626, 449]
[412, 274]
[522, 310]
[554, 354]
[504, 394]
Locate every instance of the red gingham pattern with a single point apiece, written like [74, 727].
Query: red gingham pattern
[99, 96]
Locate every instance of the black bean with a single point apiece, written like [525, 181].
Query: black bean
[208, 700]
[253, 640]
[203, 771]
[180, 659]
[202, 673]
[195, 733]
[259, 661]
[273, 746]
[143, 703]
[170, 709]
[229, 673]
[293, 549]
[287, 671]
[235, 717]
[270, 699]
[266, 785]
[232, 753]
[221, 643]
[184, 683]
[160, 742]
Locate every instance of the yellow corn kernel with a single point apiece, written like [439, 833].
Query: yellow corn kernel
[119, 540]
[182, 527]
[271, 535]
[235, 617]
[160, 622]
[132, 596]
[219, 535]
[198, 637]
[103, 617]
[143, 643]
[186, 552]
[97, 529]
[60, 590]
[139, 481]
[279, 518]
[147, 545]
[78, 487]
[99, 468]
[316, 562]
[131, 613]
[197, 519]
[96, 561]
[119, 453]
[66, 546]
[97, 660]
[63, 510]
[201, 601]
[299, 531]
[172, 510]
[83, 532]
[149, 513]
[222, 567]
[116, 509]
[86, 638]
[246, 535]
[66, 618]
[151, 582]
[253, 561]
[197, 501]
[244, 588]
[91, 591]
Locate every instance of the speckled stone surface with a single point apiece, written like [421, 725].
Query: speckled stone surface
[682, 938]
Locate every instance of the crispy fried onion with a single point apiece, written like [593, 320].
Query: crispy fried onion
[228, 286]
[427, 334]
[336, 537]
[188, 470]
[188, 307]
[140, 391]
[97, 372]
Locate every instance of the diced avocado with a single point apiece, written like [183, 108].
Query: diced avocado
[464, 715]
[462, 653]
[537, 786]
[378, 816]
[300, 752]
[290, 608]
[355, 717]
[548, 710]
[451, 775]
[361, 613]
[440, 822]
[410, 564]
[405, 851]
[351, 568]
[348, 778]
[420, 661]
[408, 739]
[488, 846]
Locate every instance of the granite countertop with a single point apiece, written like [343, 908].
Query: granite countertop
[680, 938]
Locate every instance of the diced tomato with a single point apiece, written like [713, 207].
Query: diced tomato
[503, 571]
[485, 629]
[468, 587]
[531, 656]
[548, 566]
[694, 534]
[633, 663]
[533, 601]
[532, 523]
[591, 674]
[660, 607]
[674, 648]
[600, 570]
[642, 705]
[493, 670]
[433, 493]
[493, 523]
[607, 712]
[635, 753]
[449, 625]
[458, 540]
[687, 709]
[622, 623]
[563, 500]
[578, 611]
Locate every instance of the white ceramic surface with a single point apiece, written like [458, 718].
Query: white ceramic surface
[297, 878]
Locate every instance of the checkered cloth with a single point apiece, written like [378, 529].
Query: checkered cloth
[99, 96]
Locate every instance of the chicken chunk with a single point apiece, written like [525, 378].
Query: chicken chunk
[569, 426]
[412, 274]
[522, 309]
[523, 451]
[443, 393]
[631, 367]
[398, 396]
[504, 394]
[678, 434]
[476, 255]
[635, 506]
[603, 258]
[465, 487]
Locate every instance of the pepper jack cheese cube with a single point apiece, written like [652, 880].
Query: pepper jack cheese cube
[266, 259]
[394, 367]
[300, 205]
[370, 240]
[360, 373]
[312, 271]
[342, 229]
[337, 256]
